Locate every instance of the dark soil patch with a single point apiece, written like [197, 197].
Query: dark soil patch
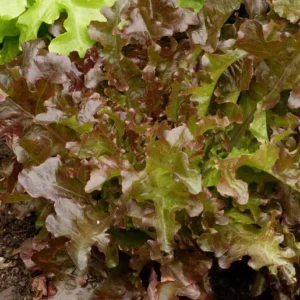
[13, 233]
[4, 150]
[233, 283]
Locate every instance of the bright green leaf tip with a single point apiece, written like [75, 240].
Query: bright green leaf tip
[195, 4]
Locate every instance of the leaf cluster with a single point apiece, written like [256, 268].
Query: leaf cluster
[172, 144]
[63, 22]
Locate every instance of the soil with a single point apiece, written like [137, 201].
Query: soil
[4, 150]
[13, 233]
[15, 279]
[233, 283]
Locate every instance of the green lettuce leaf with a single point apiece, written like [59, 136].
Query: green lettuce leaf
[12, 9]
[215, 65]
[232, 242]
[259, 126]
[195, 4]
[170, 184]
[287, 9]
[10, 49]
[80, 14]
[263, 159]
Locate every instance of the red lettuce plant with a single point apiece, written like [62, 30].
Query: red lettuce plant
[174, 142]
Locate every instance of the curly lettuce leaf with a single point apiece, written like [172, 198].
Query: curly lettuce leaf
[195, 4]
[235, 240]
[80, 14]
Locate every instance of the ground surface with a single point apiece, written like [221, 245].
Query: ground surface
[233, 283]
[12, 270]
[13, 233]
